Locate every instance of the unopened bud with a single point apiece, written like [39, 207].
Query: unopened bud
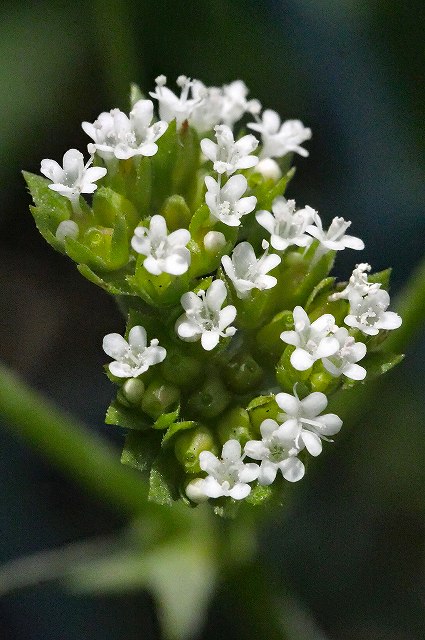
[189, 445]
[214, 241]
[269, 169]
[242, 373]
[160, 397]
[194, 491]
[67, 229]
[133, 390]
[235, 425]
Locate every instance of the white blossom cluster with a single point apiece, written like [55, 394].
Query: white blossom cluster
[228, 162]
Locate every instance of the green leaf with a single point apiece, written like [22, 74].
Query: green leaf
[113, 282]
[47, 199]
[140, 450]
[107, 203]
[82, 254]
[125, 417]
[118, 257]
[383, 277]
[379, 362]
[199, 222]
[162, 166]
[321, 287]
[136, 94]
[265, 200]
[166, 419]
[176, 428]
[164, 479]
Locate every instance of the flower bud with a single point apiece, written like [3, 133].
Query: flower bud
[67, 229]
[189, 445]
[194, 491]
[269, 169]
[235, 425]
[107, 203]
[176, 213]
[210, 400]
[214, 241]
[262, 412]
[160, 397]
[133, 390]
[181, 369]
[323, 381]
[242, 373]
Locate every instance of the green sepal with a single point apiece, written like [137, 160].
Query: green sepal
[265, 199]
[381, 277]
[166, 419]
[126, 417]
[140, 450]
[377, 363]
[136, 94]
[301, 277]
[259, 495]
[176, 213]
[323, 286]
[107, 203]
[164, 479]
[268, 340]
[175, 428]
[184, 175]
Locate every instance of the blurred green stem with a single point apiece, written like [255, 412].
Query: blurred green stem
[71, 447]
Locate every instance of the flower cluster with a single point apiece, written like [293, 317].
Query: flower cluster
[236, 334]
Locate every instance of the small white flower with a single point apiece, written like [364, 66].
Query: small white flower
[279, 139]
[132, 358]
[276, 452]
[74, 178]
[227, 155]
[248, 272]
[67, 229]
[358, 283]
[175, 107]
[117, 135]
[269, 169]
[204, 318]
[343, 361]
[334, 239]
[165, 253]
[312, 340]
[302, 422]
[206, 113]
[369, 313]
[286, 225]
[235, 104]
[225, 203]
[228, 476]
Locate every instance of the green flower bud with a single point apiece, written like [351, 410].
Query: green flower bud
[268, 338]
[176, 213]
[189, 445]
[286, 375]
[107, 203]
[160, 397]
[181, 369]
[264, 411]
[133, 390]
[235, 424]
[324, 382]
[210, 400]
[242, 373]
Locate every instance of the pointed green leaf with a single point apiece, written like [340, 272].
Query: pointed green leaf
[164, 479]
[140, 450]
[176, 428]
[126, 417]
[166, 419]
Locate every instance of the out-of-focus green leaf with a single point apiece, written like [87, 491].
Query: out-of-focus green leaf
[164, 479]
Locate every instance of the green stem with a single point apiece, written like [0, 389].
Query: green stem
[72, 448]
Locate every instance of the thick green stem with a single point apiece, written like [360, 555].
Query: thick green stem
[71, 447]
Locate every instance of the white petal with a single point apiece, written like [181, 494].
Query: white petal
[288, 403]
[329, 424]
[312, 442]
[231, 450]
[209, 340]
[209, 149]
[266, 220]
[255, 449]
[179, 238]
[313, 404]
[121, 370]
[212, 488]
[354, 371]
[268, 471]
[353, 243]
[209, 462]
[239, 491]
[234, 188]
[246, 205]
[115, 346]
[389, 320]
[290, 337]
[292, 469]
[327, 347]
[216, 295]
[249, 473]
[187, 329]
[137, 337]
[227, 315]
[301, 360]
[152, 265]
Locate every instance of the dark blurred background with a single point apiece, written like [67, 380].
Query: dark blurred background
[352, 545]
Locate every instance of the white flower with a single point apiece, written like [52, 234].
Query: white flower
[227, 155]
[277, 139]
[343, 361]
[248, 272]
[229, 476]
[302, 422]
[334, 239]
[286, 225]
[117, 135]
[369, 313]
[206, 113]
[74, 178]
[226, 204]
[175, 107]
[312, 340]
[132, 358]
[165, 253]
[358, 283]
[235, 104]
[204, 318]
[269, 169]
[276, 452]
